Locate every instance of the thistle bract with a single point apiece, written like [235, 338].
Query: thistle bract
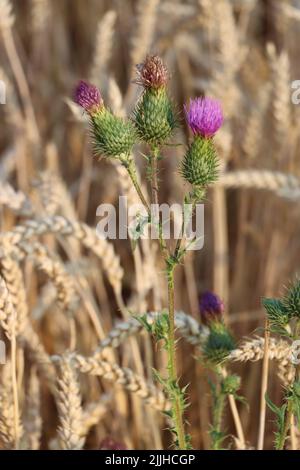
[291, 300]
[154, 117]
[204, 116]
[277, 313]
[219, 343]
[113, 136]
[200, 163]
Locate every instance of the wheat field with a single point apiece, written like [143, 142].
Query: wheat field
[77, 372]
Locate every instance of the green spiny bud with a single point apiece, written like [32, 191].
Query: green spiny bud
[292, 299]
[231, 384]
[277, 313]
[218, 344]
[296, 388]
[154, 117]
[113, 136]
[200, 163]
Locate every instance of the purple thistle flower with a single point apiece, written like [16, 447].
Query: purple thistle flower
[88, 97]
[211, 306]
[204, 116]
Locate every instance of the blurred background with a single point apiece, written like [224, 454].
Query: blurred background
[243, 52]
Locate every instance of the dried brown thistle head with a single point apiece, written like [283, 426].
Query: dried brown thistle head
[152, 73]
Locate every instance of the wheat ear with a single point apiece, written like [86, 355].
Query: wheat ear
[187, 325]
[104, 43]
[124, 377]
[285, 185]
[68, 401]
[86, 235]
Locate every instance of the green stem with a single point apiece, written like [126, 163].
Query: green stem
[154, 192]
[130, 166]
[173, 377]
[286, 428]
[217, 420]
[172, 369]
[289, 413]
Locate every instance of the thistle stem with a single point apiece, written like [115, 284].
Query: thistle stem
[289, 412]
[286, 428]
[217, 420]
[133, 176]
[173, 377]
[176, 397]
[155, 202]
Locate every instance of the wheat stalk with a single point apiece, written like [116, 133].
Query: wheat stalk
[38, 356]
[32, 418]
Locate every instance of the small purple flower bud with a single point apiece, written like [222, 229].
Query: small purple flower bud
[88, 97]
[204, 116]
[211, 306]
[108, 443]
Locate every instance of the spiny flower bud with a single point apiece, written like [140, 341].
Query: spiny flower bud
[200, 163]
[88, 97]
[152, 73]
[113, 136]
[153, 115]
[204, 116]
[218, 344]
[211, 306]
[291, 300]
[277, 313]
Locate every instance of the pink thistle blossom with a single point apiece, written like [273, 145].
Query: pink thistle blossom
[204, 116]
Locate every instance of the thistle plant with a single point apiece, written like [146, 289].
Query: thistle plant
[284, 319]
[215, 351]
[153, 121]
